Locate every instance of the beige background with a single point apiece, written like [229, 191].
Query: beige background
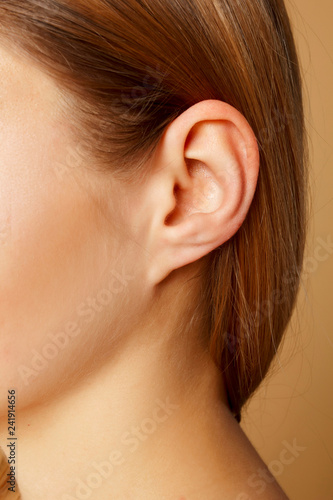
[295, 403]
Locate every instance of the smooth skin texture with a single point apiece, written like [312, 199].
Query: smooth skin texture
[116, 396]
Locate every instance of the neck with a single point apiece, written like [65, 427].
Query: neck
[116, 432]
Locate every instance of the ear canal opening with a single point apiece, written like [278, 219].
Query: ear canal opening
[170, 215]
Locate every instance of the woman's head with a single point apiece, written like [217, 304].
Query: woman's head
[139, 155]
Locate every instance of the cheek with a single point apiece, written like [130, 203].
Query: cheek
[51, 256]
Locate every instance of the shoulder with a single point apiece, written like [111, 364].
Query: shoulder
[226, 466]
[243, 473]
[252, 482]
[259, 487]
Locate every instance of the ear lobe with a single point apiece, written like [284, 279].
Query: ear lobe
[218, 161]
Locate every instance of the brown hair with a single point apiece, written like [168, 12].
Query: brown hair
[132, 66]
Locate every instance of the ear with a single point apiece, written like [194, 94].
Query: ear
[204, 177]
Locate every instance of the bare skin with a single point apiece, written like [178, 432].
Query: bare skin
[116, 394]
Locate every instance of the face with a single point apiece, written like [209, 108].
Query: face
[68, 268]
